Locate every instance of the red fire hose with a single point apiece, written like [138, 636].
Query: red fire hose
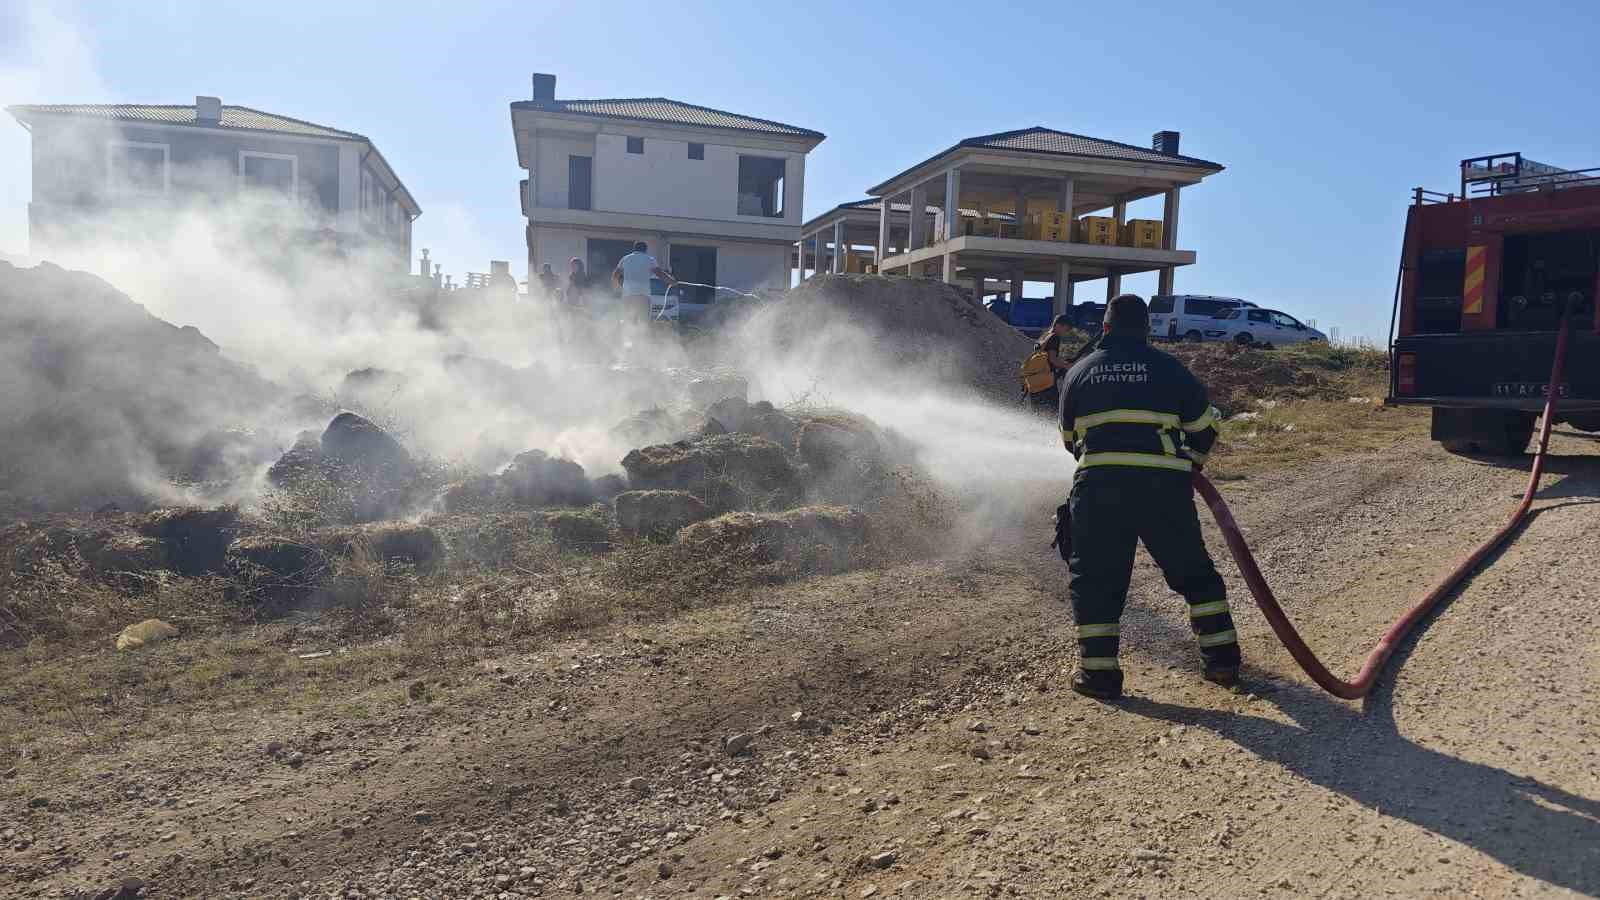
[1364, 680]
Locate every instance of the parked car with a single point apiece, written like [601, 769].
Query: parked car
[679, 303]
[1089, 316]
[1260, 326]
[1029, 315]
[1185, 317]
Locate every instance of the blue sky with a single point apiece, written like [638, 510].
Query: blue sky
[1325, 115]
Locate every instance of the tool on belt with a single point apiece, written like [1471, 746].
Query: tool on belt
[1063, 539]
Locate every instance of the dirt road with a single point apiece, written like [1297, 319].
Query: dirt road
[908, 733]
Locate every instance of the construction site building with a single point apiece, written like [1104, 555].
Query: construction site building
[1017, 206]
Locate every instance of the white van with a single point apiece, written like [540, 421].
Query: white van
[1185, 317]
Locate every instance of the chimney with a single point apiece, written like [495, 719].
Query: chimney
[207, 110]
[544, 87]
[1165, 142]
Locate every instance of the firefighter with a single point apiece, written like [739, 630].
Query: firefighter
[1139, 424]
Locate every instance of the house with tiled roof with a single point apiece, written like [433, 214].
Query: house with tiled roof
[715, 195]
[91, 161]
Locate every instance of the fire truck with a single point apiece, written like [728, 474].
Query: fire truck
[1485, 276]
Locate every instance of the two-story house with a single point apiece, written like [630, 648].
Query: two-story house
[92, 162]
[716, 195]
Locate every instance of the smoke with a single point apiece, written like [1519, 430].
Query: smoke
[472, 377]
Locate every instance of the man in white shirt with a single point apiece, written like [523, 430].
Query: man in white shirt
[633, 276]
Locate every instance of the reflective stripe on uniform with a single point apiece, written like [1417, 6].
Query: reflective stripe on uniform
[1068, 437]
[1206, 420]
[1167, 446]
[1127, 417]
[1146, 460]
[1099, 663]
[1208, 609]
[1196, 455]
[1097, 631]
[1217, 640]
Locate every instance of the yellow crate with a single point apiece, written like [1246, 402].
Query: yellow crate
[1143, 233]
[1097, 230]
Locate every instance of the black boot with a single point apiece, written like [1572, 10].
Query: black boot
[1225, 675]
[1099, 684]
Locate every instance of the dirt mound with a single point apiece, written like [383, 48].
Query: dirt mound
[1237, 376]
[658, 514]
[196, 538]
[822, 538]
[726, 471]
[96, 392]
[915, 326]
[355, 473]
[535, 478]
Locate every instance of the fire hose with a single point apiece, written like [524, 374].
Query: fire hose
[1367, 677]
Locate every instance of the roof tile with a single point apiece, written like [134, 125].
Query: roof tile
[1039, 139]
[669, 112]
[233, 117]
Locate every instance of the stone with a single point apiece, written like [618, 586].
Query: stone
[144, 634]
[636, 784]
[422, 817]
[980, 751]
[883, 860]
[736, 744]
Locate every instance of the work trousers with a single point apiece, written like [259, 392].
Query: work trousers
[1113, 508]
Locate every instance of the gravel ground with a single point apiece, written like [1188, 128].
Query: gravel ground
[907, 733]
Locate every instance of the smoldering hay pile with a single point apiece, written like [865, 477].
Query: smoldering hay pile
[101, 402]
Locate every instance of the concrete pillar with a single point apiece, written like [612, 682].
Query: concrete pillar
[919, 206]
[1063, 287]
[1113, 283]
[882, 249]
[839, 248]
[1017, 283]
[1019, 205]
[1169, 237]
[1064, 202]
[1169, 221]
[949, 268]
[952, 203]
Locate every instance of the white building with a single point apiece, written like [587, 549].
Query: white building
[93, 161]
[716, 195]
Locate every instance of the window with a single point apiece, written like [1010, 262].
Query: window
[1258, 315]
[580, 182]
[1161, 304]
[635, 145]
[137, 168]
[1285, 321]
[603, 258]
[271, 173]
[696, 265]
[697, 151]
[1194, 306]
[761, 186]
[1230, 314]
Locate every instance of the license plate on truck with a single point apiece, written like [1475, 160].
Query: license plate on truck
[1530, 389]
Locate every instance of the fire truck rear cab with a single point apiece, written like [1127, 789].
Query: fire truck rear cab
[1484, 277]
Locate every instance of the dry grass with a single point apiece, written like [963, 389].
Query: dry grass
[511, 582]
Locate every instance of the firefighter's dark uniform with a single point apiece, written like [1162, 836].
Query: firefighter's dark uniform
[1138, 421]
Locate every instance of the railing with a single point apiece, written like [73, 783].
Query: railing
[1508, 173]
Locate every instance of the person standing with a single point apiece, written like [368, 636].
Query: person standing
[1140, 424]
[1049, 344]
[632, 276]
[549, 284]
[577, 282]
